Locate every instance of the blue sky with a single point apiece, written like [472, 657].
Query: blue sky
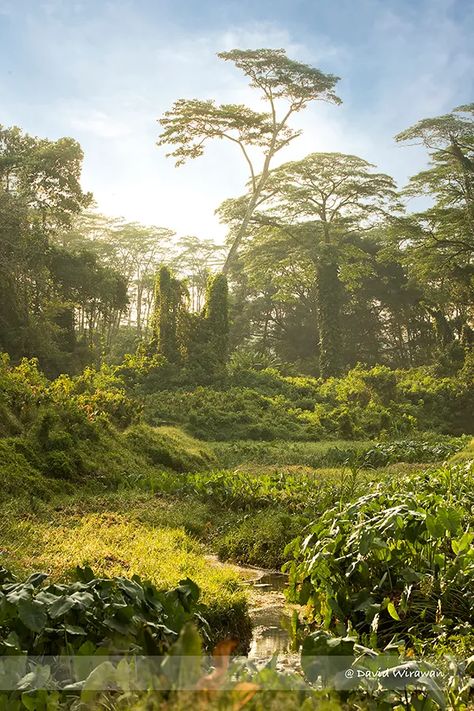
[104, 71]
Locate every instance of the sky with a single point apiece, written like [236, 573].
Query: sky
[104, 72]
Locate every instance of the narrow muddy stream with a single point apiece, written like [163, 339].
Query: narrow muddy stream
[270, 614]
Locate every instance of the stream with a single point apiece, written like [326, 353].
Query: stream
[270, 614]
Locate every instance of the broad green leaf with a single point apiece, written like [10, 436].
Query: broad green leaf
[36, 579]
[459, 545]
[32, 614]
[74, 629]
[62, 605]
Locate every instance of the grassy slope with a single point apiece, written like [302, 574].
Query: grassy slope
[67, 531]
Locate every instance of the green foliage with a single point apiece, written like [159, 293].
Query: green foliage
[67, 430]
[293, 491]
[168, 321]
[248, 453]
[169, 447]
[261, 538]
[437, 448]
[114, 615]
[365, 404]
[329, 314]
[43, 285]
[397, 561]
[216, 314]
[326, 657]
[18, 475]
[236, 413]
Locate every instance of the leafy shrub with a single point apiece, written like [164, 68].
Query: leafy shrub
[365, 404]
[325, 659]
[464, 455]
[434, 449]
[396, 561]
[237, 413]
[334, 453]
[18, 477]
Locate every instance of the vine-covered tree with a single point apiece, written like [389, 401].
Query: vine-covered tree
[168, 322]
[216, 315]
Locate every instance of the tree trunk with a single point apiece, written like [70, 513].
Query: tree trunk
[329, 317]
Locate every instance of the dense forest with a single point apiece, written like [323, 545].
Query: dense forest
[178, 417]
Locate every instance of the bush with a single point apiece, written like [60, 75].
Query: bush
[366, 403]
[398, 561]
[237, 413]
[114, 615]
[18, 476]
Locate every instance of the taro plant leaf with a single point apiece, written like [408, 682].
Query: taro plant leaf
[62, 605]
[32, 614]
[183, 665]
[320, 653]
[99, 679]
[450, 518]
[39, 678]
[82, 598]
[36, 579]
[459, 545]
[132, 588]
[46, 597]
[85, 574]
[414, 674]
[20, 592]
[74, 629]
[117, 626]
[40, 700]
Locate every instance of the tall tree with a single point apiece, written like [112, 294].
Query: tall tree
[40, 193]
[286, 86]
[321, 202]
[438, 243]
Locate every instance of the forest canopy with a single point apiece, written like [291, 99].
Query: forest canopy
[326, 265]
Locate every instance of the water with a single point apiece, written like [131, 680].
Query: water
[270, 615]
[271, 618]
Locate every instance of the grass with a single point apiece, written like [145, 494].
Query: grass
[465, 454]
[170, 447]
[248, 453]
[59, 537]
